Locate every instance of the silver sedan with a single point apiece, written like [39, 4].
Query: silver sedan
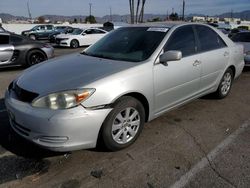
[131, 76]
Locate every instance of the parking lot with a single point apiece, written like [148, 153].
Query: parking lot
[205, 143]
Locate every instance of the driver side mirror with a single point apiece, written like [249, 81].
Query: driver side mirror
[171, 55]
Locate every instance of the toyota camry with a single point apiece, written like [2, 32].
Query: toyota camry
[131, 76]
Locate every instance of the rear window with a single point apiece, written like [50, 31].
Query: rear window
[49, 27]
[4, 39]
[209, 39]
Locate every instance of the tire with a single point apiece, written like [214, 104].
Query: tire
[74, 43]
[225, 84]
[33, 37]
[34, 57]
[119, 132]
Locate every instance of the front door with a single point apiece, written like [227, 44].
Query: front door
[6, 50]
[178, 81]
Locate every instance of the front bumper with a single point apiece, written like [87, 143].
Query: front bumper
[56, 130]
[63, 42]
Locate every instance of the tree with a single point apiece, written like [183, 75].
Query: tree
[75, 20]
[173, 16]
[139, 11]
[90, 19]
[41, 20]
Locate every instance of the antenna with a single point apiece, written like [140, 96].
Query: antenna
[28, 7]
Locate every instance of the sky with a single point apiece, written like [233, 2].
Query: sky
[102, 7]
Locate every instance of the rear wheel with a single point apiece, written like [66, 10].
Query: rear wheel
[124, 124]
[225, 84]
[74, 43]
[34, 57]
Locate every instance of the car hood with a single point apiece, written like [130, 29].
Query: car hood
[27, 31]
[68, 72]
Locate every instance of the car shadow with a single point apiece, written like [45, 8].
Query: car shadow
[246, 69]
[12, 142]
[14, 68]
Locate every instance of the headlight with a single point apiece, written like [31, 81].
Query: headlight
[63, 100]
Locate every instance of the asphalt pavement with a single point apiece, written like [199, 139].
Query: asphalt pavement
[205, 143]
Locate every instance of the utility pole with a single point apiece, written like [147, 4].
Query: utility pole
[183, 10]
[90, 9]
[110, 12]
[28, 7]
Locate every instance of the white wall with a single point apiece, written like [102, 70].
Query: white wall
[18, 28]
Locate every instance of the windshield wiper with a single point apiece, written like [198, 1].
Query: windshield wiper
[96, 55]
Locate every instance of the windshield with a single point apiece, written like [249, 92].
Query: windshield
[77, 32]
[35, 28]
[128, 44]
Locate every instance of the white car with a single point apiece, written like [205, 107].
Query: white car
[80, 37]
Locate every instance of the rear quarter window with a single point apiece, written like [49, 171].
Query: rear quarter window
[4, 39]
[208, 39]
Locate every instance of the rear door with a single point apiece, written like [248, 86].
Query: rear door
[214, 56]
[6, 50]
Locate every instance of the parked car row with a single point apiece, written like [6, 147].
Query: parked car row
[80, 37]
[65, 35]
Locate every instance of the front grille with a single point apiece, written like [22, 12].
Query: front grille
[22, 130]
[24, 95]
[58, 41]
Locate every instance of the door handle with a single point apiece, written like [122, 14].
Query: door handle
[196, 63]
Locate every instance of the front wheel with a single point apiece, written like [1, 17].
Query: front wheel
[34, 57]
[74, 44]
[124, 124]
[225, 84]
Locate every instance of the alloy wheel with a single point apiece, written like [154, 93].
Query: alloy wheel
[126, 125]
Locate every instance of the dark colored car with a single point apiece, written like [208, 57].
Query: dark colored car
[39, 32]
[243, 38]
[16, 50]
[235, 31]
[60, 30]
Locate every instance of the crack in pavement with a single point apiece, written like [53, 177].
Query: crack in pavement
[211, 164]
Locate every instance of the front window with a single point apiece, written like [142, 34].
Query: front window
[183, 39]
[133, 44]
